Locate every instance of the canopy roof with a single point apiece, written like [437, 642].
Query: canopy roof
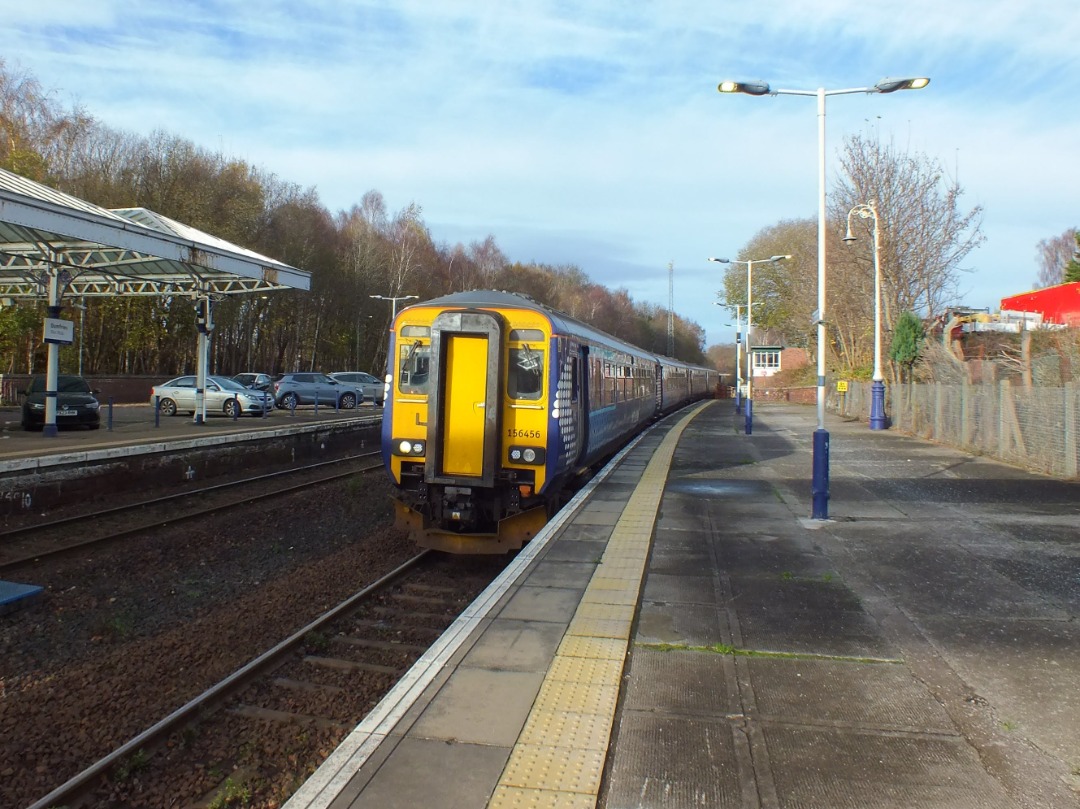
[128, 251]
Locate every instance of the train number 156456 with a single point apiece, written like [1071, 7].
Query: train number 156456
[513, 432]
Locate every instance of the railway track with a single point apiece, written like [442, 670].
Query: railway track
[40, 541]
[257, 734]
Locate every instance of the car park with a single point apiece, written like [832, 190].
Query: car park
[291, 390]
[254, 381]
[370, 384]
[76, 403]
[223, 395]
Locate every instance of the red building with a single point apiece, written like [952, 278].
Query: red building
[1059, 305]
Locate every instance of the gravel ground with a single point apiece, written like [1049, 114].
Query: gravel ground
[123, 638]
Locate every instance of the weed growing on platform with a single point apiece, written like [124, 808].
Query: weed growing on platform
[727, 649]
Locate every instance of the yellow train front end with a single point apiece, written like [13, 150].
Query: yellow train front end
[465, 430]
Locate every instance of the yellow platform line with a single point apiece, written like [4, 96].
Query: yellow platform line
[559, 757]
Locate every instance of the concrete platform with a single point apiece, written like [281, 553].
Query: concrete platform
[39, 474]
[684, 635]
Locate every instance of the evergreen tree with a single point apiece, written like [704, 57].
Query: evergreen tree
[907, 341]
[1072, 269]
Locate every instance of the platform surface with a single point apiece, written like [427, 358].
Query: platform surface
[688, 636]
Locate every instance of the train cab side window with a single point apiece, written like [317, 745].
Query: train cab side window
[525, 377]
[414, 366]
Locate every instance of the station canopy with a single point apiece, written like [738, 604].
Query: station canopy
[99, 252]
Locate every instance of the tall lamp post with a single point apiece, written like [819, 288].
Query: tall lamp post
[749, 317]
[393, 301]
[738, 353]
[393, 315]
[820, 481]
[877, 387]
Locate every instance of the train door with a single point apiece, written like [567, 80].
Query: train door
[579, 398]
[464, 411]
[659, 388]
[465, 404]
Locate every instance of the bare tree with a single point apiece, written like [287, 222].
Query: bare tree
[925, 236]
[1053, 255]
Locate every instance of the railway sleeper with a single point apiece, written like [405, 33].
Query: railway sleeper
[380, 625]
[431, 589]
[415, 615]
[305, 685]
[341, 664]
[270, 715]
[427, 601]
[382, 645]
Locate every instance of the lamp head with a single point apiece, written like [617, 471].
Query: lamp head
[753, 88]
[849, 237]
[892, 85]
[780, 258]
[721, 260]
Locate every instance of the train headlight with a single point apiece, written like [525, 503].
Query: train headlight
[533, 456]
[410, 447]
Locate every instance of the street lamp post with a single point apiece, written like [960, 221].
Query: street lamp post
[749, 318]
[820, 480]
[738, 353]
[393, 315]
[877, 387]
[393, 301]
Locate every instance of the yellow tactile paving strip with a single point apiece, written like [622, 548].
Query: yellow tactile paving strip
[559, 757]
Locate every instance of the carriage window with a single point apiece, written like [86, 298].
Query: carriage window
[521, 335]
[414, 366]
[525, 377]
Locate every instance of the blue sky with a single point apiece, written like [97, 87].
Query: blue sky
[591, 133]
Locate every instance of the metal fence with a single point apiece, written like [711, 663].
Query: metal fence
[1033, 427]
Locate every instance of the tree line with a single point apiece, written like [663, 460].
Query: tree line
[351, 255]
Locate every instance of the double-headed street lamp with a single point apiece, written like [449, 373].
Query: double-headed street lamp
[820, 484]
[877, 387]
[738, 352]
[393, 312]
[749, 317]
[393, 315]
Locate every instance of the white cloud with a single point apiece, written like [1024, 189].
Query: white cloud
[591, 134]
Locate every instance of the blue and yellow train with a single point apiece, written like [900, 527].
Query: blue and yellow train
[495, 404]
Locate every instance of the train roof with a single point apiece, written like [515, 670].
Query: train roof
[561, 321]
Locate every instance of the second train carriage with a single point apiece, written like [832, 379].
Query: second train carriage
[495, 403]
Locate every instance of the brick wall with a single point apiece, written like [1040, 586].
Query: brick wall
[121, 389]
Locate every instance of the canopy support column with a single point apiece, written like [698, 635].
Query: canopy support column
[204, 322]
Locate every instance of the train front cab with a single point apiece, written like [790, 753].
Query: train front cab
[469, 428]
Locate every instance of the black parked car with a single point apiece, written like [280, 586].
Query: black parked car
[76, 404]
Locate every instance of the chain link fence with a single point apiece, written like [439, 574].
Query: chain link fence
[1032, 427]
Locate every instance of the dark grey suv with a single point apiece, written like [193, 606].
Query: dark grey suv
[291, 390]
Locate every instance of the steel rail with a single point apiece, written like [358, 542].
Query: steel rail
[74, 787]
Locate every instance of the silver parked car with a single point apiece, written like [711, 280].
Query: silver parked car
[370, 384]
[223, 395]
[253, 380]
